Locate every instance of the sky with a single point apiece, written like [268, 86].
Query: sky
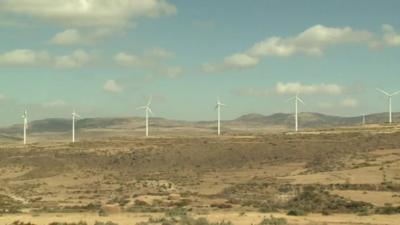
[105, 58]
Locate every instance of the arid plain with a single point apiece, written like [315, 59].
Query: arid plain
[346, 175]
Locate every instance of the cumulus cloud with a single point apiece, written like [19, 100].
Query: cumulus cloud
[295, 87]
[24, 57]
[28, 57]
[129, 60]
[349, 102]
[390, 36]
[87, 13]
[235, 61]
[70, 36]
[158, 53]
[75, 60]
[77, 37]
[311, 42]
[152, 60]
[112, 86]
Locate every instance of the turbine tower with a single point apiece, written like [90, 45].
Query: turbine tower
[389, 96]
[147, 110]
[296, 99]
[25, 118]
[74, 117]
[363, 119]
[218, 108]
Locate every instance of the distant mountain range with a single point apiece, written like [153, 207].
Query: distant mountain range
[306, 120]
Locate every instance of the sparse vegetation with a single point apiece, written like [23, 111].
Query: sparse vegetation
[183, 178]
[273, 221]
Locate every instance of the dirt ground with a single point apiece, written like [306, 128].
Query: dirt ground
[315, 177]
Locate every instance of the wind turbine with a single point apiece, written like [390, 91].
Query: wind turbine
[218, 108]
[25, 117]
[364, 120]
[389, 96]
[147, 110]
[74, 116]
[297, 99]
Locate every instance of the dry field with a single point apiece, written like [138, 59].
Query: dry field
[325, 177]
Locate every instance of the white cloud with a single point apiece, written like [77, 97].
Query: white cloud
[171, 71]
[28, 57]
[158, 53]
[75, 60]
[294, 88]
[67, 37]
[112, 86]
[236, 61]
[55, 103]
[24, 57]
[152, 60]
[390, 36]
[87, 13]
[77, 37]
[349, 102]
[240, 61]
[311, 42]
[129, 60]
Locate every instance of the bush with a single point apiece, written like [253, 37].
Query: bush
[64, 223]
[388, 210]
[316, 199]
[178, 211]
[21, 223]
[296, 212]
[105, 223]
[273, 221]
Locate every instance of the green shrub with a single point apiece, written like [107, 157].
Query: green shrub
[296, 212]
[105, 223]
[64, 223]
[273, 221]
[178, 211]
[21, 223]
[388, 210]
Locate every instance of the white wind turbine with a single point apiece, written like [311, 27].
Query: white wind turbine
[147, 110]
[296, 99]
[74, 117]
[25, 118]
[218, 108]
[389, 96]
[364, 121]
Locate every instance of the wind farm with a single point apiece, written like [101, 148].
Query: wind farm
[166, 112]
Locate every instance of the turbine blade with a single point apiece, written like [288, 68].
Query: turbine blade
[151, 112]
[384, 92]
[290, 99]
[395, 93]
[141, 107]
[301, 100]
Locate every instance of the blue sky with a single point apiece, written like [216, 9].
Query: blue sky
[105, 58]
